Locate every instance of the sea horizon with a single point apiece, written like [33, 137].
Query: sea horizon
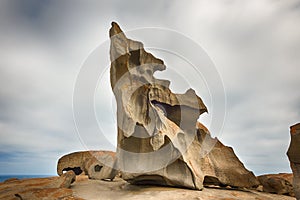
[4, 177]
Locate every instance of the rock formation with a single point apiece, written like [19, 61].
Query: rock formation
[157, 139]
[294, 157]
[277, 183]
[95, 164]
[38, 188]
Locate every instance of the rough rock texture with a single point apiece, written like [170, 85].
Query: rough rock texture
[294, 157]
[157, 139]
[38, 188]
[95, 164]
[45, 194]
[277, 183]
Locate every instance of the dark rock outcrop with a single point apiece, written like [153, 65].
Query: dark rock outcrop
[294, 157]
[157, 139]
[277, 183]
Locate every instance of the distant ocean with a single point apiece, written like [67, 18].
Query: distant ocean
[22, 176]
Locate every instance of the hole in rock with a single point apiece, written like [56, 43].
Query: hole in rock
[135, 57]
[171, 112]
[76, 170]
[210, 180]
[97, 168]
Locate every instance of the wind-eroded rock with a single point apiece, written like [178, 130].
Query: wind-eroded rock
[95, 164]
[294, 157]
[157, 139]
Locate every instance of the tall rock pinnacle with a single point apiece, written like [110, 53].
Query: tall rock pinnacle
[159, 138]
[294, 157]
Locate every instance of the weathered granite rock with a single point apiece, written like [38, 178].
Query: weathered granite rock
[294, 157]
[157, 139]
[36, 188]
[277, 183]
[95, 164]
[73, 161]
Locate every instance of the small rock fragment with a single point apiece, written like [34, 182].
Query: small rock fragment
[277, 183]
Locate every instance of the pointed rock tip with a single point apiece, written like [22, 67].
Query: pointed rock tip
[294, 128]
[115, 29]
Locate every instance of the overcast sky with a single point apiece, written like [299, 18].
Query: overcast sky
[255, 46]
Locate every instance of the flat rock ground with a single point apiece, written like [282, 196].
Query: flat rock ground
[119, 189]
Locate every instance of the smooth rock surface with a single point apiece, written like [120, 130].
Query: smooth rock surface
[158, 142]
[294, 157]
[277, 183]
[119, 189]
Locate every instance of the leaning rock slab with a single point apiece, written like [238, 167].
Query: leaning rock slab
[294, 157]
[157, 138]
